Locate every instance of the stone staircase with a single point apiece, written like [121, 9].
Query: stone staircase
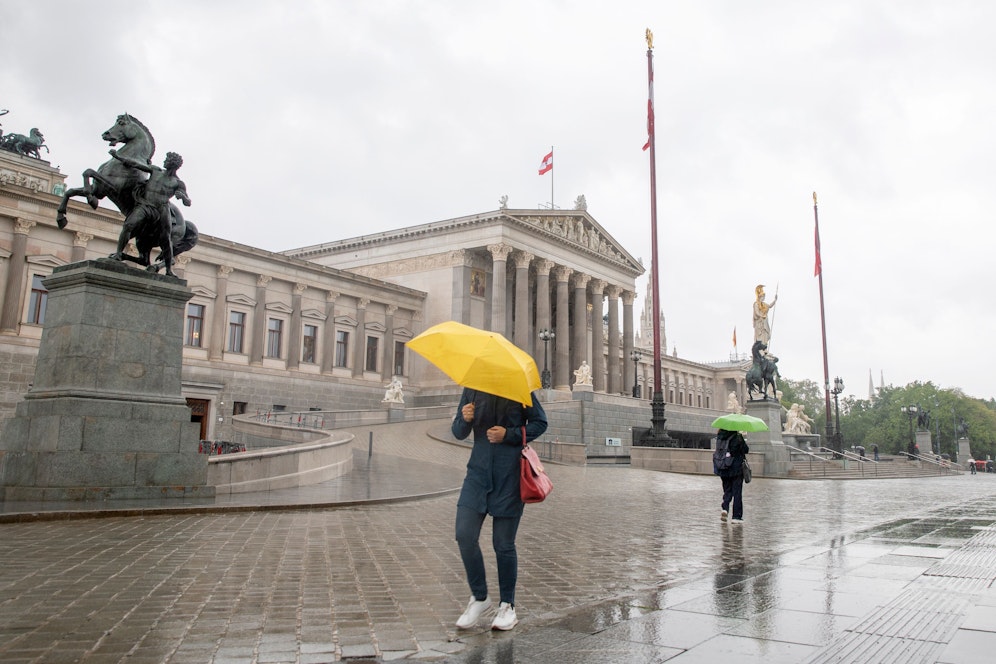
[805, 467]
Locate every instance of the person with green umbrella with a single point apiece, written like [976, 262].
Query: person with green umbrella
[501, 427]
[728, 463]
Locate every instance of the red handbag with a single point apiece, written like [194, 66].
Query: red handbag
[534, 484]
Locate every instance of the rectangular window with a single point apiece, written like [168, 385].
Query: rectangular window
[342, 349]
[236, 332]
[195, 324]
[274, 331]
[39, 298]
[371, 364]
[399, 358]
[309, 343]
[239, 408]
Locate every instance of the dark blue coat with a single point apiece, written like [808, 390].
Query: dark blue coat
[492, 482]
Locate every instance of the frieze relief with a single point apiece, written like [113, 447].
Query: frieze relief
[418, 264]
[577, 231]
[8, 177]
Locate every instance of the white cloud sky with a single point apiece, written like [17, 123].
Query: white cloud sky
[304, 122]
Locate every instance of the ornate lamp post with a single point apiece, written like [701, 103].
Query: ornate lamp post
[636, 356]
[838, 387]
[545, 336]
[910, 412]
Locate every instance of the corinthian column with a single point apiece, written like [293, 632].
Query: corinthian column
[216, 344]
[562, 343]
[522, 308]
[499, 254]
[580, 349]
[296, 328]
[629, 375]
[259, 321]
[14, 288]
[597, 338]
[612, 363]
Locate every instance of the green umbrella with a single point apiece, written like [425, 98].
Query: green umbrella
[738, 422]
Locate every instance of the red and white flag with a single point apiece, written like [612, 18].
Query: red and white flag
[819, 260]
[547, 164]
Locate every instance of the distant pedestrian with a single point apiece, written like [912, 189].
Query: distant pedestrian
[971, 466]
[733, 475]
[875, 451]
[491, 486]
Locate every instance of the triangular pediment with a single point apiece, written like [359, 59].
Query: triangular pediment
[279, 307]
[313, 314]
[403, 332]
[376, 327]
[244, 300]
[200, 291]
[46, 260]
[346, 321]
[578, 230]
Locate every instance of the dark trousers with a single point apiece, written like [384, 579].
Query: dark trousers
[468, 534]
[733, 492]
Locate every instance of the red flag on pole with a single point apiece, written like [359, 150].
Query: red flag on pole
[650, 117]
[547, 164]
[734, 337]
[819, 262]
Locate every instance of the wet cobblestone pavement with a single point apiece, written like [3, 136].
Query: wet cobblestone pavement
[619, 565]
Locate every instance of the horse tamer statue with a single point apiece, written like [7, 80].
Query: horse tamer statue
[141, 192]
[762, 373]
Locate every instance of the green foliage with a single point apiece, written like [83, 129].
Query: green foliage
[881, 421]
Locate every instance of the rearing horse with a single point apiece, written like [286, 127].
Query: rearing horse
[116, 181]
[763, 372]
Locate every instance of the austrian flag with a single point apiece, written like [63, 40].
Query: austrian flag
[547, 164]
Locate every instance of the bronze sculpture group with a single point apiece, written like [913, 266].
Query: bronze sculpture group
[142, 192]
[26, 146]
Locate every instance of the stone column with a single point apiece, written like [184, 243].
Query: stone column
[328, 333]
[259, 321]
[543, 267]
[14, 288]
[562, 343]
[629, 374]
[216, 343]
[499, 254]
[80, 240]
[597, 338]
[522, 300]
[296, 329]
[387, 371]
[580, 350]
[180, 264]
[360, 349]
[612, 363]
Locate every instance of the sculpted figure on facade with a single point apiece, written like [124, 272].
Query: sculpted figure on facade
[394, 393]
[582, 375]
[733, 403]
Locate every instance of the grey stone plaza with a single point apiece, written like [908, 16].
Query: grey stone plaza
[618, 565]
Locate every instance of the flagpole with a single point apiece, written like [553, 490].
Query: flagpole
[657, 436]
[551, 182]
[823, 320]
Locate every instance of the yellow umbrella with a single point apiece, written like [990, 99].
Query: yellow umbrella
[480, 360]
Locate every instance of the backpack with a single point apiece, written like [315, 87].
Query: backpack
[721, 457]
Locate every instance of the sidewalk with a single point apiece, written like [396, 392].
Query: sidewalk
[619, 565]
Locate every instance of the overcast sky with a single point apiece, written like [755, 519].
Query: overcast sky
[304, 122]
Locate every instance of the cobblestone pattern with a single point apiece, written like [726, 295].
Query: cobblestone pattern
[386, 581]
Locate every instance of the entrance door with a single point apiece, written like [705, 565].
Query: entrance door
[199, 413]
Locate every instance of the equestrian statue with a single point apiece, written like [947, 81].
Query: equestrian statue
[141, 192]
[763, 372]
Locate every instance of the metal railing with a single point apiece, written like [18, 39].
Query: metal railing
[851, 456]
[943, 465]
[811, 457]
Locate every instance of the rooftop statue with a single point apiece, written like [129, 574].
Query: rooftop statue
[129, 180]
[26, 146]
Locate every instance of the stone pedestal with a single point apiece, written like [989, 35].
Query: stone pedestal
[925, 444]
[105, 418]
[769, 443]
[964, 451]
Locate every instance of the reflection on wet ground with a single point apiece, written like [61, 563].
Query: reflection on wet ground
[619, 565]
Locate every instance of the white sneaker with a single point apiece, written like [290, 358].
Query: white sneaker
[475, 609]
[723, 515]
[505, 620]
[737, 522]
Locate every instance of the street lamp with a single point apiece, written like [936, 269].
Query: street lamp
[838, 387]
[545, 336]
[636, 356]
[910, 412]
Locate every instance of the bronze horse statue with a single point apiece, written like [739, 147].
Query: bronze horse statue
[762, 373]
[117, 182]
[26, 146]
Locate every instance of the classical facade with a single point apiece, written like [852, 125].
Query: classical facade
[323, 327]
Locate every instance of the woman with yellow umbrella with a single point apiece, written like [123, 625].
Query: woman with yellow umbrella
[500, 408]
